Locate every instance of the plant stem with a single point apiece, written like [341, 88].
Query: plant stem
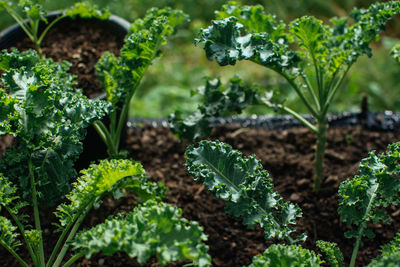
[72, 235]
[36, 211]
[22, 230]
[73, 259]
[106, 137]
[60, 241]
[362, 227]
[322, 126]
[20, 260]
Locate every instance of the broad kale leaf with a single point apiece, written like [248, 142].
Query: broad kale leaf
[151, 229]
[48, 118]
[244, 185]
[377, 186]
[218, 101]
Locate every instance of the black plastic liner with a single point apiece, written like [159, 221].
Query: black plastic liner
[385, 121]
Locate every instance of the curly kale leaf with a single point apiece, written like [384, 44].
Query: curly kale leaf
[285, 256]
[121, 76]
[47, 117]
[86, 10]
[390, 253]
[334, 255]
[10, 202]
[8, 235]
[244, 185]
[109, 176]
[217, 101]
[151, 229]
[363, 198]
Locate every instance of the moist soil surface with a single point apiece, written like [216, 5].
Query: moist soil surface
[287, 155]
[82, 43]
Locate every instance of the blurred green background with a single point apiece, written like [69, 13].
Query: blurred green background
[168, 84]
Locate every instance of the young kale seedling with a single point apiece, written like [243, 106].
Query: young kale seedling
[29, 13]
[121, 76]
[39, 106]
[248, 192]
[312, 57]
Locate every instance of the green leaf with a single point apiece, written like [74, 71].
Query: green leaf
[94, 182]
[376, 186]
[151, 229]
[234, 38]
[390, 260]
[121, 76]
[333, 253]
[244, 185]
[8, 234]
[33, 10]
[48, 117]
[86, 10]
[286, 256]
[395, 53]
[218, 101]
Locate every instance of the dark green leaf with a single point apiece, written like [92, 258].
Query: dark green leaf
[244, 185]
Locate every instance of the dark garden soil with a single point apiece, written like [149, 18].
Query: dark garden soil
[287, 155]
[82, 44]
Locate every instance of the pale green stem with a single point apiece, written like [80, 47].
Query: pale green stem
[311, 92]
[333, 91]
[22, 230]
[43, 34]
[20, 260]
[71, 235]
[322, 127]
[20, 21]
[296, 115]
[317, 76]
[361, 230]
[61, 239]
[36, 211]
[106, 137]
[73, 259]
[300, 94]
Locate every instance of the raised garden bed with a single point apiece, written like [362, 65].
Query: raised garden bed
[287, 154]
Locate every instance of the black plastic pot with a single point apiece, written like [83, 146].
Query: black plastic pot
[93, 146]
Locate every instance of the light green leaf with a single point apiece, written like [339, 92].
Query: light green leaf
[8, 234]
[287, 256]
[93, 183]
[86, 10]
[151, 229]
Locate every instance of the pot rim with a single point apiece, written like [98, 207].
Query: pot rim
[380, 120]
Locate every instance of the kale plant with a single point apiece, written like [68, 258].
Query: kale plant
[29, 13]
[249, 195]
[121, 76]
[313, 58]
[48, 119]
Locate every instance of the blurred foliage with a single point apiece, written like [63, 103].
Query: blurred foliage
[169, 82]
